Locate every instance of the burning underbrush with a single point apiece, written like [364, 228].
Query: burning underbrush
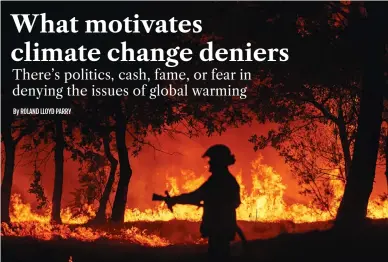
[47, 231]
[262, 214]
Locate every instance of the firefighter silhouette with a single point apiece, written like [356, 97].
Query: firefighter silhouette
[220, 196]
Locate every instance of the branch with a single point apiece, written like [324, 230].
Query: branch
[22, 133]
[151, 145]
[323, 110]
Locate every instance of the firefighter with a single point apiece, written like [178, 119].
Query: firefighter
[220, 197]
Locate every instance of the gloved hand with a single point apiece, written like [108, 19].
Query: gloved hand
[170, 201]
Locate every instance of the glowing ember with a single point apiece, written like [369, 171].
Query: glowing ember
[265, 203]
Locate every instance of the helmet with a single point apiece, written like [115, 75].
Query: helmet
[221, 154]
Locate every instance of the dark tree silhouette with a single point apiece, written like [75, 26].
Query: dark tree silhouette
[315, 127]
[59, 148]
[118, 210]
[353, 209]
[386, 160]
[384, 140]
[100, 216]
[13, 130]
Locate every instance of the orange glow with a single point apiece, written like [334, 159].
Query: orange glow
[264, 203]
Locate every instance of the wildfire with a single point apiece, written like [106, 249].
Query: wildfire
[264, 203]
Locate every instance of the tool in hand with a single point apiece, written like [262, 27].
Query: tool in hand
[156, 197]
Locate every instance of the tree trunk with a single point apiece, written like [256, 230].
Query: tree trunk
[58, 180]
[353, 208]
[120, 202]
[6, 184]
[386, 160]
[100, 216]
[344, 143]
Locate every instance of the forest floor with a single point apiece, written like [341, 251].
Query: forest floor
[369, 244]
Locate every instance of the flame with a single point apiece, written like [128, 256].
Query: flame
[264, 203]
[25, 222]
